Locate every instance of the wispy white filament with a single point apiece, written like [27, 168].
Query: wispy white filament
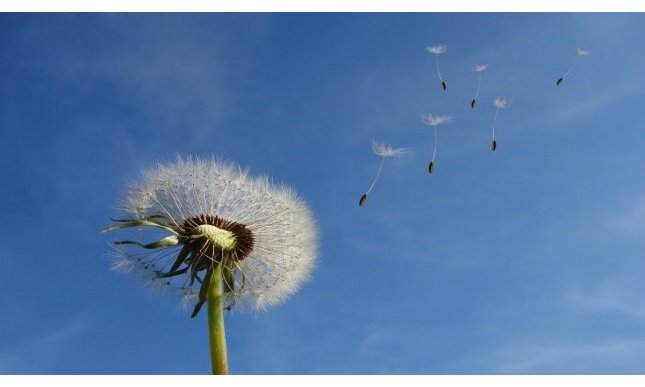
[566, 74]
[378, 174]
[285, 245]
[438, 71]
[479, 81]
[434, 149]
[495, 122]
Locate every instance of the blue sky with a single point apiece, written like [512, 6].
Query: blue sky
[526, 260]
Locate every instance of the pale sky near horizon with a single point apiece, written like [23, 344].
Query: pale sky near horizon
[528, 260]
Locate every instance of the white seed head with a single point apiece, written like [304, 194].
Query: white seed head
[434, 120]
[502, 103]
[582, 52]
[480, 68]
[385, 150]
[285, 234]
[437, 49]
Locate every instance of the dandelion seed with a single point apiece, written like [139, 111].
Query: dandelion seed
[479, 69]
[438, 50]
[384, 151]
[434, 121]
[580, 52]
[500, 103]
[229, 239]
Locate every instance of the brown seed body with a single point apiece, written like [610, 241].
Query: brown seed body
[431, 167]
[559, 81]
[362, 200]
[473, 103]
[443, 85]
[493, 145]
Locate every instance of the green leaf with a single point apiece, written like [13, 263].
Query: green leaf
[165, 242]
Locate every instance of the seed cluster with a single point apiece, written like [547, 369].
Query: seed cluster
[204, 243]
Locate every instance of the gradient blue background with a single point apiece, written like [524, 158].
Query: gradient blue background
[526, 260]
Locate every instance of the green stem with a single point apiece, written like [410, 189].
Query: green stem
[216, 333]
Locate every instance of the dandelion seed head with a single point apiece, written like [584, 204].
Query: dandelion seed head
[480, 68]
[502, 103]
[437, 49]
[434, 120]
[385, 150]
[582, 52]
[263, 230]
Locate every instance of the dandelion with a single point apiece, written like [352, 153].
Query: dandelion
[384, 151]
[438, 50]
[227, 238]
[479, 69]
[434, 121]
[580, 52]
[500, 103]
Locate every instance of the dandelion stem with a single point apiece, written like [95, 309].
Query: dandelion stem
[479, 81]
[438, 72]
[216, 333]
[495, 122]
[434, 149]
[377, 175]
[571, 68]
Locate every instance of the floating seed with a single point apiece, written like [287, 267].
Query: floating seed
[580, 52]
[438, 50]
[479, 69]
[493, 145]
[384, 151]
[431, 167]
